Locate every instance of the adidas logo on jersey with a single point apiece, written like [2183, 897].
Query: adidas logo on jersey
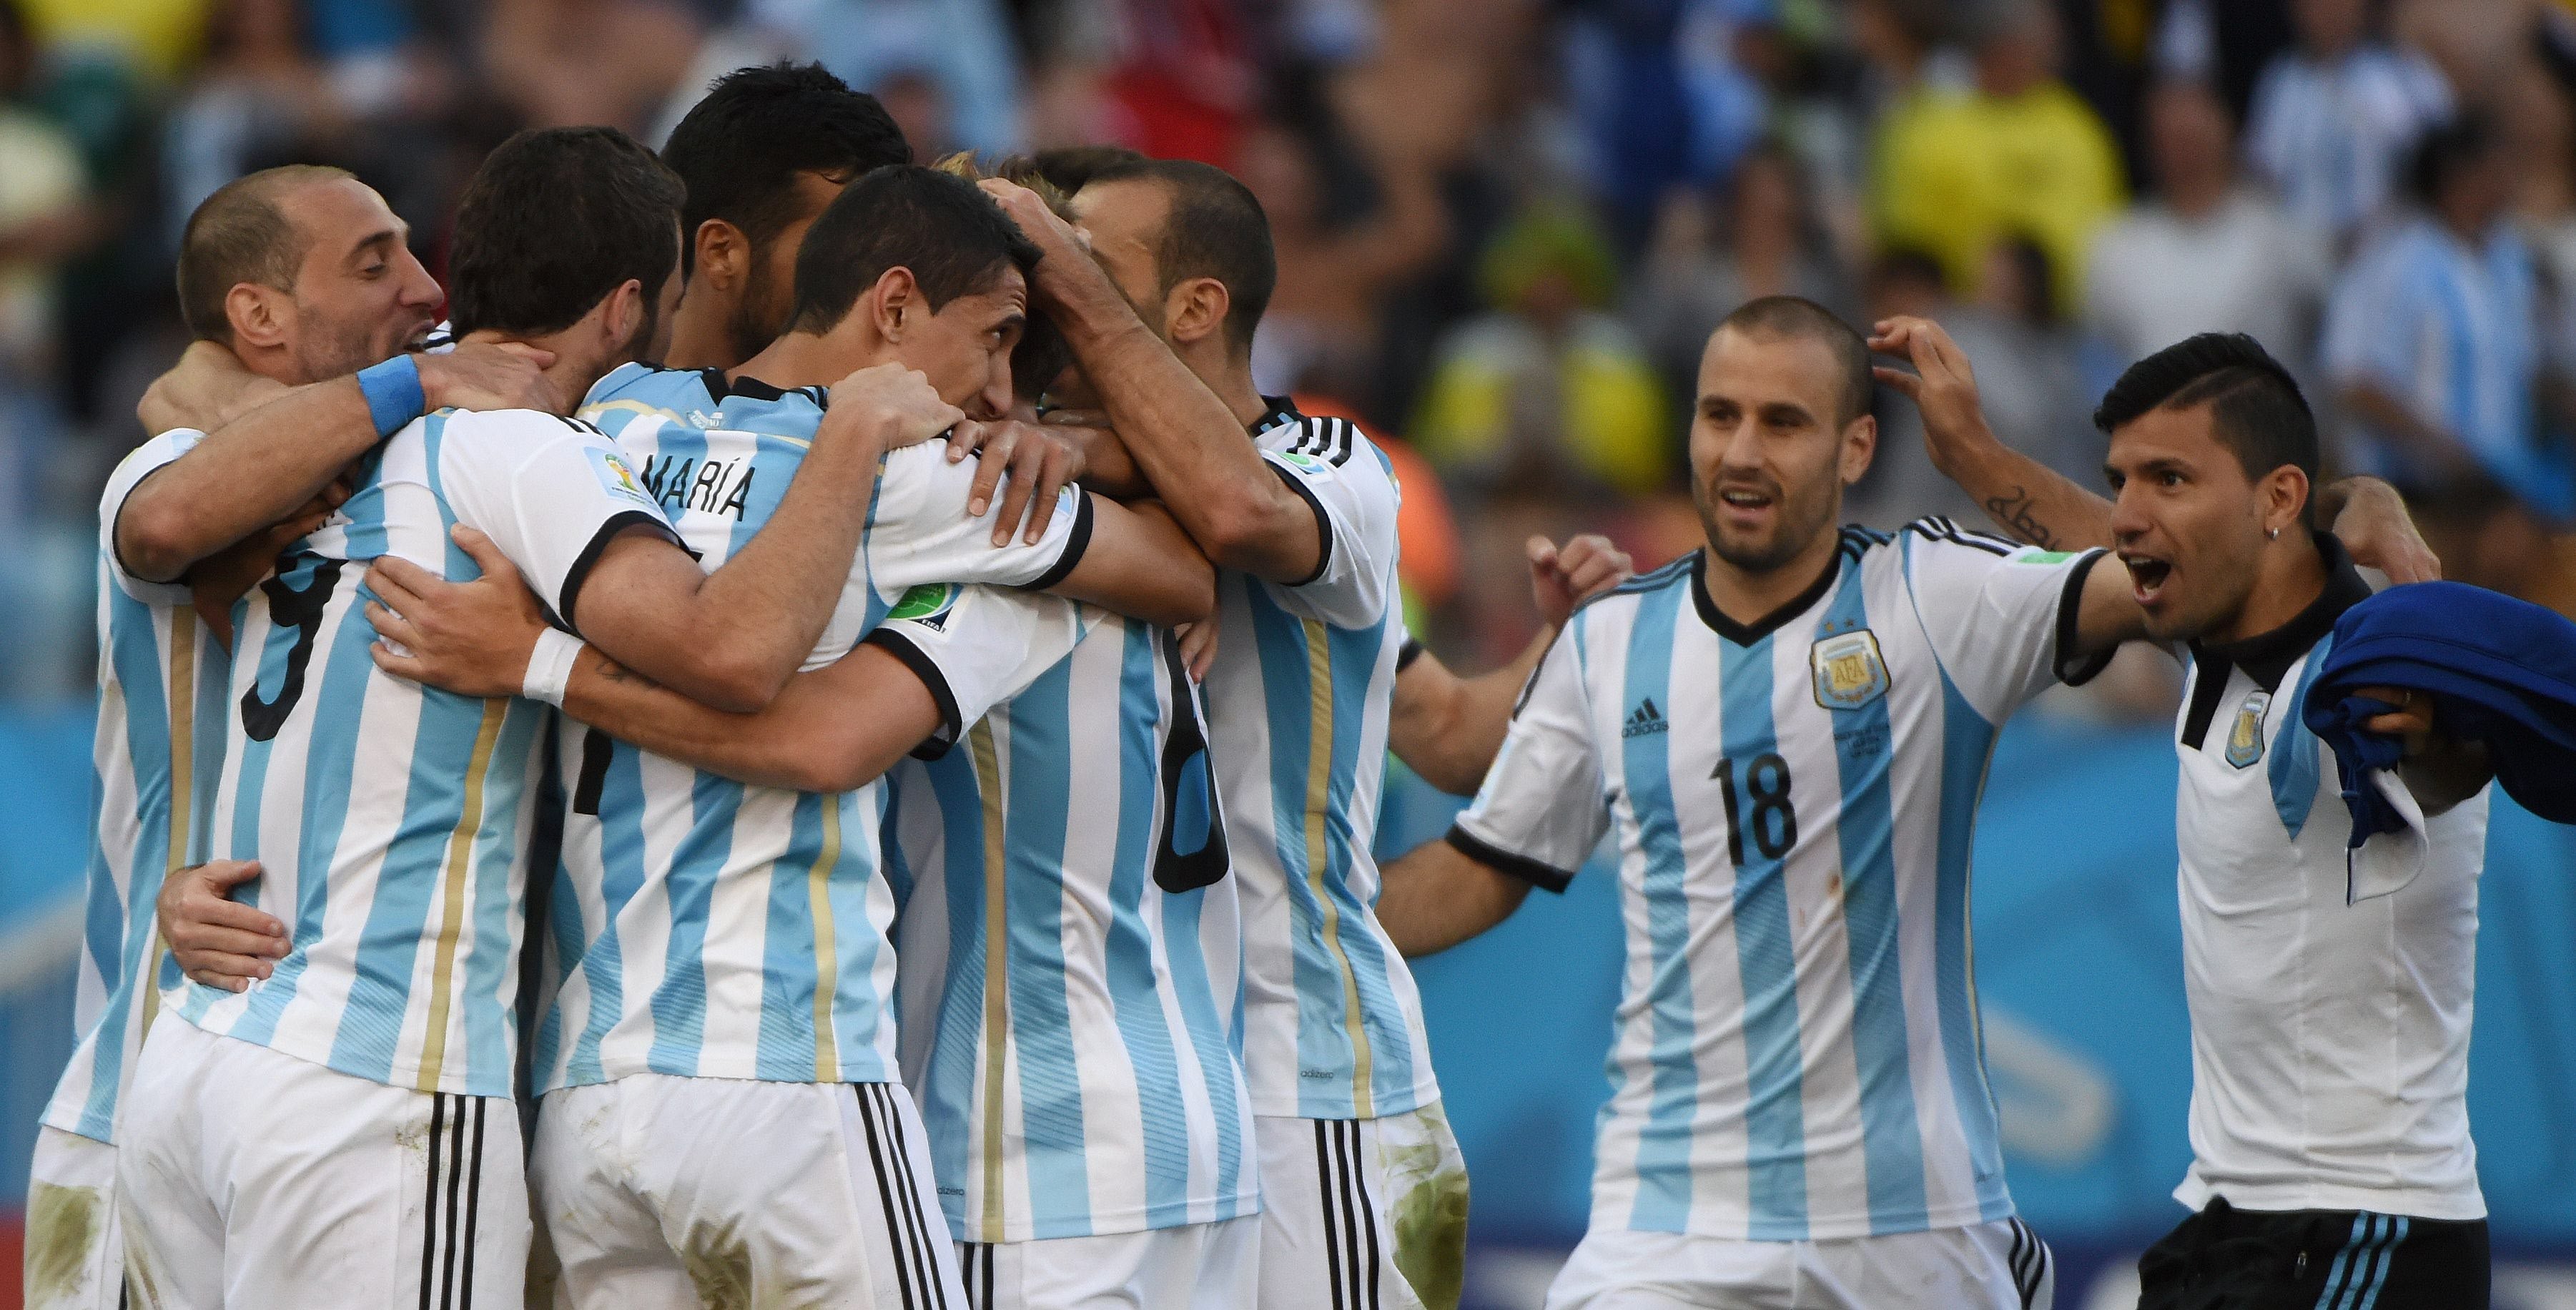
[1645, 719]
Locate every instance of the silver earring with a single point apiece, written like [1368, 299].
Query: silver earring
[2274, 534]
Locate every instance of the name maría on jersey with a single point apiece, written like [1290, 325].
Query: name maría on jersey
[712, 486]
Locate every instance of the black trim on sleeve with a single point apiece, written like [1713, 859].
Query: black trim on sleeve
[2070, 668]
[1404, 658]
[1537, 873]
[1075, 543]
[608, 531]
[1323, 524]
[926, 669]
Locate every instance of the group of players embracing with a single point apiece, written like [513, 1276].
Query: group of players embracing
[858, 628]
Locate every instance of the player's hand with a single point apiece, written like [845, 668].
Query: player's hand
[490, 375]
[1943, 385]
[896, 403]
[2411, 723]
[2378, 533]
[1063, 249]
[1198, 648]
[1027, 463]
[1562, 577]
[471, 638]
[218, 580]
[217, 941]
[205, 390]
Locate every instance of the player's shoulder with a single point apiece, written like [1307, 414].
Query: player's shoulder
[523, 428]
[158, 450]
[1316, 440]
[638, 388]
[1621, 601]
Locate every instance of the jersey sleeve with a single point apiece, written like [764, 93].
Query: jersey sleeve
[1544, 804]
[2001, 616]
[921, 533]
[1355, 500]
[140, 463]
[975, 647]
[550, 492]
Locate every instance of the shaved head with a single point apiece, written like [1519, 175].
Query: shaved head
[242, 234]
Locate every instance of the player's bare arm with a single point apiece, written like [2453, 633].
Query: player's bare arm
[218, 941]
[208, 388]
[256, 470]
[1447, 728]
[1438, 896]
[830, 730]
[731, 638]
[1141, 563]
[1185, 440]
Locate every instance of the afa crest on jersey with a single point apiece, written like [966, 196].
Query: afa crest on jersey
[2245, 740]
[1849, 671]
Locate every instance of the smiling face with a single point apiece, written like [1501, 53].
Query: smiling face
[359, 296]
[2188, 521]
[1770, 449]
[965, 348]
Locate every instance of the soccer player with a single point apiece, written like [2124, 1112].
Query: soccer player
[293, 275]
[1301, 518]
[2331, 1157]
[1786, 731]
[288, 1139]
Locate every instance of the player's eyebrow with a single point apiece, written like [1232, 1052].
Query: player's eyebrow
[1782, 411]
[381, 241]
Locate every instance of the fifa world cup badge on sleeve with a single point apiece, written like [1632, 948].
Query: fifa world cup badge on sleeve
[615, 476]
[2245, 740]
[1849, 672]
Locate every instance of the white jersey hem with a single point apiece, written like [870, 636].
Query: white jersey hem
[2452, 1205]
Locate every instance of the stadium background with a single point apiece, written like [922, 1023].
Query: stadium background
[1504, 227]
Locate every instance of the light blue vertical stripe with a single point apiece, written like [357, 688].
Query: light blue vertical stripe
[2382, 1258]
[1216, 1050]
[789, 968]
[2365, 1225]
[948, 1105]
[600, 962]
[488, 986]
[1766, 954]
[1967, 744]
[679, 1003]
[1664, 1142]
[1864, 749]
[116, 938]
[2294, 765]
[1354, 655]
[859, 1014]
[1128, 965]
[1038, 803]
[1325, 1062]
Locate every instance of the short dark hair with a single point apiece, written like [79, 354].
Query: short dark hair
[237, 235]
[1070, 168]
[1797, 316]
[1215, 229]
[951, 235]
[740, 148]
[2255, 405]
[2445, 150]
[554, 221]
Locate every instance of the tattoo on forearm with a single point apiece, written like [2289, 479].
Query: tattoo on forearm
[2014, 509]
[619, 673]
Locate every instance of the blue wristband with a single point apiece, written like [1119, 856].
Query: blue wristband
[393, 393]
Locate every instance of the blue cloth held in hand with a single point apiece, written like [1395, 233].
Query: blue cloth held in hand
[2500, 671]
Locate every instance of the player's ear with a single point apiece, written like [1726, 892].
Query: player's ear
[893, 300]
[1196, 308]
[723, 255]
[260, 315]
[1860, 446]
[2283, 494]
[624, 312]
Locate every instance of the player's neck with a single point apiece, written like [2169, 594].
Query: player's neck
[698, 336]
[803, 359]
[2288, 577]
[1748, 597]
[1231, 380]
[575, 367]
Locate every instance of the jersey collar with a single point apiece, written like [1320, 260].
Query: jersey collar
[1282, 411]
[1745, 634]
[2266, 656]
[752, 388]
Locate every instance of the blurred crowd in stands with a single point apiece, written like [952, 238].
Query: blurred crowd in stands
[1504, 226]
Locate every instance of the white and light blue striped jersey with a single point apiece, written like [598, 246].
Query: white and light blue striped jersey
[391, 820]
[1069, 954]
[1796, 1052]
[1297, 706]
[702, 927]
[2451, 330]
[161, 674]
[2332, 135]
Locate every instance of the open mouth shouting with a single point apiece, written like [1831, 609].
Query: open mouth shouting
[2148, 575]
[1746, 506]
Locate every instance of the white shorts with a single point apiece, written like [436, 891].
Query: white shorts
[687, 1192]
[1994, 1266]
[1362, 1214]
[1215, 1266]
[75, 1249]
[250, 1178]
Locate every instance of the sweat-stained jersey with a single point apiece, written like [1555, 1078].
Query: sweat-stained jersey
[701, 927]
[1796, 1053]
[1069, 954]
[160, 743]
[390, 819]
[1297, 707]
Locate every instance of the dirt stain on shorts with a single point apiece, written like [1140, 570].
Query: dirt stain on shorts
[1430, 1213]
[719, 1263]
[63, 1226]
